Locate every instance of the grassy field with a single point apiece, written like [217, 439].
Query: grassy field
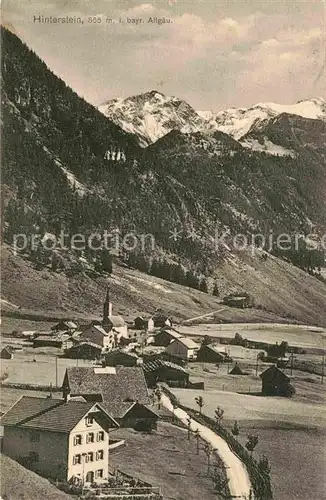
[295, 335]
[167, 459]
[291, 433]
[38, 366]
[18, 483]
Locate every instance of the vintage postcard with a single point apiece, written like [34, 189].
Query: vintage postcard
[163, 249]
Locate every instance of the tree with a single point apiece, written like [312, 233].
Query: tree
[189, 427]
[235, 429]
[208, 449]
[264, 465]
[203, 286]
[216, 291]
[206, 340]
[158, 394]
[219, 413]
[220, 481]
[197, 437]
[200, 402]
[252, 443]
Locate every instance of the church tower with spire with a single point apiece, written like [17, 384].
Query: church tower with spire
[107, 309]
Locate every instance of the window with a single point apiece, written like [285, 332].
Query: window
[35, 437]
[89, 457]
[33, 456]
[76, 459]
[90, 437]
[89, 477]
[100, 436]
[78, 439]
[89, 420]
[99, 473]
[99, 455]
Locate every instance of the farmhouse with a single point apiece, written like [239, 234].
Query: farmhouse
[108, 384]
[133, 415]
[166, 336]
[212, 354]
[275, 382]
[183, 348]
[85, 350]
[59, 439]
[123, 358]
[64, 326]
[165, 371]
[160, 320]
[6, 353]
[97, 335]
[142, 323]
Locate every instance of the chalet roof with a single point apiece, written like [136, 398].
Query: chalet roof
[49, 414]
[157, 364]
[124, 353]
[274, 372]
[66, 324]
[237, 370]
[216, 349]
[7, 349]
[99, 328]
[121, 409]
[186, 341]
[51, 338]
[89, 344]
[119, 383]
[172, 333]
[116, 321]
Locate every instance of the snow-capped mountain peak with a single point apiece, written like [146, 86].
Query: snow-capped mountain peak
[152, 115]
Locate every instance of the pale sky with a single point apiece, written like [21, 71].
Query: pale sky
[215, 54]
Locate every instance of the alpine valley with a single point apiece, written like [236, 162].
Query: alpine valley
[151, 164]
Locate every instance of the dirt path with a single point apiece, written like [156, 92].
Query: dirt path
[202, 316]
[239, 483]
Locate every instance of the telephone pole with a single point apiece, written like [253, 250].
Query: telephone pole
[56, 371]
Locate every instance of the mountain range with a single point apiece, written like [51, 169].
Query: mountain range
[152, 164]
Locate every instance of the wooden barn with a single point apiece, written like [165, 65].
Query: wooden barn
[6, 353]
[85, 350]
[274, 382]
[132, 415]
[64, 326]
[161, 320]
[237, 370]
[143, 323]
[211, 354]
[165, 371]
[166, 336]
[123, 358]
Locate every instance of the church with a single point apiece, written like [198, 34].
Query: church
[110, 331]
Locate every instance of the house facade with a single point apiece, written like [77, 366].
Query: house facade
[58, 439]
[97, 335]
[183, 348]
[274, 382]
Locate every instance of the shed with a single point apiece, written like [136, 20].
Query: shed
[236, 370]
[165, 371]
[7, 353]
[211, 354]
[274, 382]
[123, 358]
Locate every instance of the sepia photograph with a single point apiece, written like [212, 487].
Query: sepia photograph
[163, 244]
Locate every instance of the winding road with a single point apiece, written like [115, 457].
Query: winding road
[239, 483]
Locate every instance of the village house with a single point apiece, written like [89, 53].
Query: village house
[210, 353]
[85, 350]
[166, 336]
[112, 386]
[58, 439]
[142, 323]
[165, 371]
[183, 348]
[7, 353]
[64, 326]
[58, 340]
[275, 382]
[123, 358]
[161, 320]
[97, 335]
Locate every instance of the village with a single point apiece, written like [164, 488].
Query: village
[76, 399]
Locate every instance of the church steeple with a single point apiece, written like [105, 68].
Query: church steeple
[106, 308]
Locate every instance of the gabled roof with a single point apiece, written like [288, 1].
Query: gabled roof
[48, 414]
[116, 321]
[99, 328]
[121, 409]
[217, 349]
[274, 372]
[186, 341]
[67, 324]
[172, 333]
[119, 383]
[152, 366]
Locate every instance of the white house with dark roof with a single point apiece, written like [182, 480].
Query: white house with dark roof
[184, 348]
[58, 439]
